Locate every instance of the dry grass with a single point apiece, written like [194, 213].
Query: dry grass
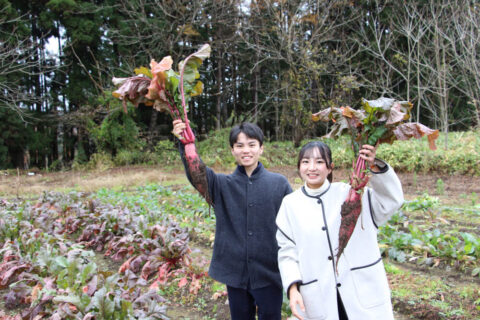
[24, 185]
[457, 187]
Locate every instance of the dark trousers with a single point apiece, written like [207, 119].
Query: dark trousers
[244, 302]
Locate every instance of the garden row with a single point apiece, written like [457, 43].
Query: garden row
[433, 255]
[49, 254]
[426, 232]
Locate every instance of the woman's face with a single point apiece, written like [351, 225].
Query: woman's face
[313, 169]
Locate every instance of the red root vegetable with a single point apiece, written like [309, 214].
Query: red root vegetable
[197, 170]
[352, 207]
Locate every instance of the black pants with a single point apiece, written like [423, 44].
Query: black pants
[342, 314]
[244, 302]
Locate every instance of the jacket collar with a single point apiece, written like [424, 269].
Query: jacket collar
[316, 193]
[255, 173]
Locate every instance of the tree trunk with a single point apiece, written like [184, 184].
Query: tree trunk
[60, 140]
[440, 66]
[46, 162]
[152, 128]
[255, 96]
[219, 90]
[477, 112]
[256, 84]
[419, 90]
[76, 144]
[277, 122]
[234, 87]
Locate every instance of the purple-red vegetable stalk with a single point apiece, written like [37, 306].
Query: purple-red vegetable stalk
[196, 167]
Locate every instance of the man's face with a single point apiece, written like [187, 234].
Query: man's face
[247, 151]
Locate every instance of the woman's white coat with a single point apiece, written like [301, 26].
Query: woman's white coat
[307, 235]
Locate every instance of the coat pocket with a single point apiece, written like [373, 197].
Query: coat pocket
[371, 284]
[311, 295]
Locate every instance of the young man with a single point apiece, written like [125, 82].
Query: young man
[246, 203]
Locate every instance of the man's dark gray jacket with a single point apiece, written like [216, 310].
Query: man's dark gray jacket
[245, 248]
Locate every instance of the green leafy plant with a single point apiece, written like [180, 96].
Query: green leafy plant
[474, 198]
[428, 244]
[440, 186]
[424, 203]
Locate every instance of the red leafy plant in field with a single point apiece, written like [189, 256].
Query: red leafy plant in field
[11, 266]
[60, 281]
[161, 250]
[166, 249]
[377, 121]
[166, 90]
[168, 261]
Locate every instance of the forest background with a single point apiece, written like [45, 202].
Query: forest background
[272, 62]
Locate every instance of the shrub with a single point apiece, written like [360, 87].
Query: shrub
[99, 162]
[215, 150]
[279, 153]
[56, 165]
[462, 156]
[129, 157]
[118, 131]
[166, 153]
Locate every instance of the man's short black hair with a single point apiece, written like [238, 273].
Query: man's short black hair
[251, 130]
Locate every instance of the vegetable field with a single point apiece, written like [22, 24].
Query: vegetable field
[134, 243]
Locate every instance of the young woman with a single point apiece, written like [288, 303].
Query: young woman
[308, 226]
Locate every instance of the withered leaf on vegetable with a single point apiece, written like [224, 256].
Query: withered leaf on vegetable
[416, 130]
[378, 121]
[157, 85]
[132, 89]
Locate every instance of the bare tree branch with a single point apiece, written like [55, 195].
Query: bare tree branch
[19, 59]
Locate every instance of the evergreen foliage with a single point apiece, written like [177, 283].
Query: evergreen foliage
[118, 131]
[272, 62]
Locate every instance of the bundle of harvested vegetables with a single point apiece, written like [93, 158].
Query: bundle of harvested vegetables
[164, 89]
[378, 121]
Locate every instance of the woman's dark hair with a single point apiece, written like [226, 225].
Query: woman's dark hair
[251, 130]
[324, 150]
